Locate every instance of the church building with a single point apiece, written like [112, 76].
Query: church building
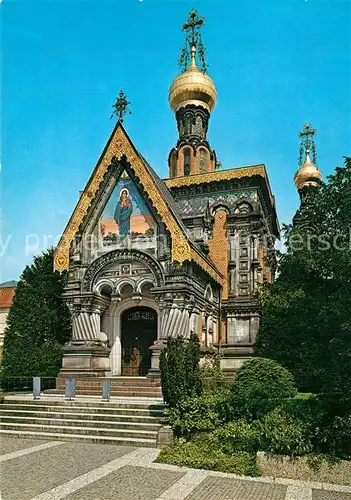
[149, 258]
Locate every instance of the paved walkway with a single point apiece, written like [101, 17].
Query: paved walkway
[52, 470]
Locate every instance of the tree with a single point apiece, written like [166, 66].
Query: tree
[306, 312]
[38, 322]
[192, 368]
[172, 369]
[179, 368]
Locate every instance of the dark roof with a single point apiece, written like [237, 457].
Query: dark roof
[7, 284]
[167, 196]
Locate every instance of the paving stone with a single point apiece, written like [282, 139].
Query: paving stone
[68, 466]
[330, 495]
[217, 488]
[129, 483]
[9, 445]
[27, 476]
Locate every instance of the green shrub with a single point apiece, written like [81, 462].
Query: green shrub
[194, 415]
[237, 436]
[335, 438]
[42, 360]
[172, 370]
[38, 323]
[310, 410]
[204, 456]
[211, 373]
[179, 368]
[330, 436]
[284, 434]
[193, 381]
[260, 385]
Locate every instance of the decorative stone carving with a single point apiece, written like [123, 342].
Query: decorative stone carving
[121, 255]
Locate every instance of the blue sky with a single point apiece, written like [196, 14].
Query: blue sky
[277, 64]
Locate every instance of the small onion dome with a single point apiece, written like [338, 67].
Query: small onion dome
[308, 174]
[192, 87]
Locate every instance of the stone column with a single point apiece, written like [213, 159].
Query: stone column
[175, 320]
[194, 321]
[87, 354]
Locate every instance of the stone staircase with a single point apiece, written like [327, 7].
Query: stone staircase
[124, 422]
[141, 387]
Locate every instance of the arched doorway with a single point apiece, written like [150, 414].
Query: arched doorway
[138, 332]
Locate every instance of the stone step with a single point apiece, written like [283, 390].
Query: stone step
[117, 417]
[114, 392]
[122, 388]
[113, 385]
[115, 382]
[121, 441]
[88, 423]
[126, 421]
[93, 431]
[106, 405]
[134, 412]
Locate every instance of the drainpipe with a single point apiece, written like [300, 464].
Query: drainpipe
[220, 321]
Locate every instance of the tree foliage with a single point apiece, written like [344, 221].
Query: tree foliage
[306, 316]
[179, 367]
[260, 385]
[38, 322]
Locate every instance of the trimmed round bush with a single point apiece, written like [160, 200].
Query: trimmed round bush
[260, 385]
[272, 378]
[285, 435]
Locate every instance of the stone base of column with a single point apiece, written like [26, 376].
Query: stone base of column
[156, 349]
[85, 360]
[232, 358]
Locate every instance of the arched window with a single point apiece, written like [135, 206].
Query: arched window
[186, 156]
[202, 161]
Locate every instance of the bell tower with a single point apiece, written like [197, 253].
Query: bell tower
[192, 97]
[308, 178]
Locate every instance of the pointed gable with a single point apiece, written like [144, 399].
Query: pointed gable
[120, 145]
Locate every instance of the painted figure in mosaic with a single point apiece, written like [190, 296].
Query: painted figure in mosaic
[123, 212]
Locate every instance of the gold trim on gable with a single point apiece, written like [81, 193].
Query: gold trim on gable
[118, 146]
[234, 173]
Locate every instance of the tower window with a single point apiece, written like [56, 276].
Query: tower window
[173, 165]
[186, 156]
[202, 160]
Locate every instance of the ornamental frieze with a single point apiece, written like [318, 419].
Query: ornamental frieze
[121, 255]
[235, 173]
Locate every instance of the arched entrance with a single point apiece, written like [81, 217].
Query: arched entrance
[138, 332]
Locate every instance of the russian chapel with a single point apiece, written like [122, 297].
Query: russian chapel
[149, 258]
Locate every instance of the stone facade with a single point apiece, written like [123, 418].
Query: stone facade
[225, 223]
[234, 222]
[151, 258]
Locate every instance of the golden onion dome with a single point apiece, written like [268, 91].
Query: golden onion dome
[308, 174]
[192, 87]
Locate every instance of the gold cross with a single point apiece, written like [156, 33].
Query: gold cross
[193, 22]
